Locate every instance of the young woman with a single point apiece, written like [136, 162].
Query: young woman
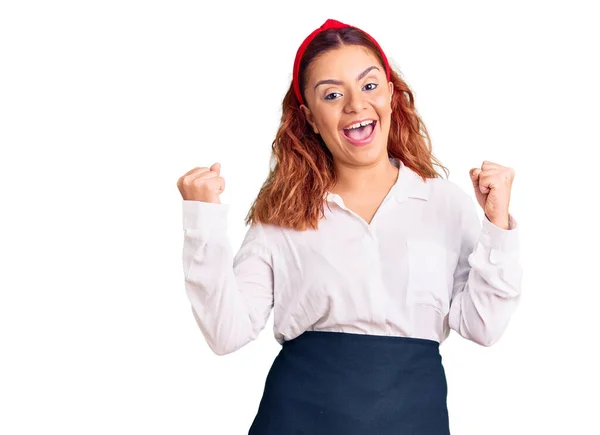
[365, 254]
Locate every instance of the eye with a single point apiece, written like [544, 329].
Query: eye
[371, 84]
[328, 97]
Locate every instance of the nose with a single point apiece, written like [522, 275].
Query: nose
[355, 101]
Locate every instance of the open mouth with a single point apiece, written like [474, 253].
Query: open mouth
[360, 134]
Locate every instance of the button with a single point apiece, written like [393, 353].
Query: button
[495, 256]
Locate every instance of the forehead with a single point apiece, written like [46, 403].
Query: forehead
[347, 61]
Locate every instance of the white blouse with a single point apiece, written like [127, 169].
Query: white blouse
[423, 266]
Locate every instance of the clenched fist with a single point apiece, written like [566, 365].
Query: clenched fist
[202, 184]
[493, 183]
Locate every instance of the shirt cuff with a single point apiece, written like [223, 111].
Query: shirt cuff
[208, 217]
[498, 238]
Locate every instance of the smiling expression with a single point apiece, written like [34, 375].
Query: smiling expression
[347, 87]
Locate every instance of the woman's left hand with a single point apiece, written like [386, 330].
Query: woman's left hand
[492, 183]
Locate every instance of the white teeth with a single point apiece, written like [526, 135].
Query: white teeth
[360, 124]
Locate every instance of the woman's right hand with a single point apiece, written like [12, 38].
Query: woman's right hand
[202, 184]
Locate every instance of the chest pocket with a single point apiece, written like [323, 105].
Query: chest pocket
[430, 275]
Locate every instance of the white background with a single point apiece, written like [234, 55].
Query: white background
[105, 104]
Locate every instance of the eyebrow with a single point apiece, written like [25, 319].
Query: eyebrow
[339, 83]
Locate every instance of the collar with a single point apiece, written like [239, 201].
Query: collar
[408, 185]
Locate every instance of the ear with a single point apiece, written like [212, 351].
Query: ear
[391, 88]
[309, 117]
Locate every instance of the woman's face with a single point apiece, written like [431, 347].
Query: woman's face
[346, 86]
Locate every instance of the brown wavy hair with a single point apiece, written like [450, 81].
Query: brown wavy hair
[302, 170]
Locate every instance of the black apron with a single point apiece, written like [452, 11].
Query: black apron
[338, 383]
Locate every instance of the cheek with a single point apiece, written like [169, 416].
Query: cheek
[328, 121]
[383, 105]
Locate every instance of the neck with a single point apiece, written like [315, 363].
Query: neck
[358, 179]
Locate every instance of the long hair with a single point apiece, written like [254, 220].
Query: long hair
[302, 171]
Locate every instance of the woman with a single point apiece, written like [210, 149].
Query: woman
[366, 289]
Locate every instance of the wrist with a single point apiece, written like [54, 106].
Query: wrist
[503, 223]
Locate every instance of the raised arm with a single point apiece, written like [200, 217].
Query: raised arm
[231, 297]
[487, 278]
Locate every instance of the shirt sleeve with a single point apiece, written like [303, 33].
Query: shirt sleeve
[231, 297]
[487, 278]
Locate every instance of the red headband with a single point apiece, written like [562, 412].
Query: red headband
[329, 24]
